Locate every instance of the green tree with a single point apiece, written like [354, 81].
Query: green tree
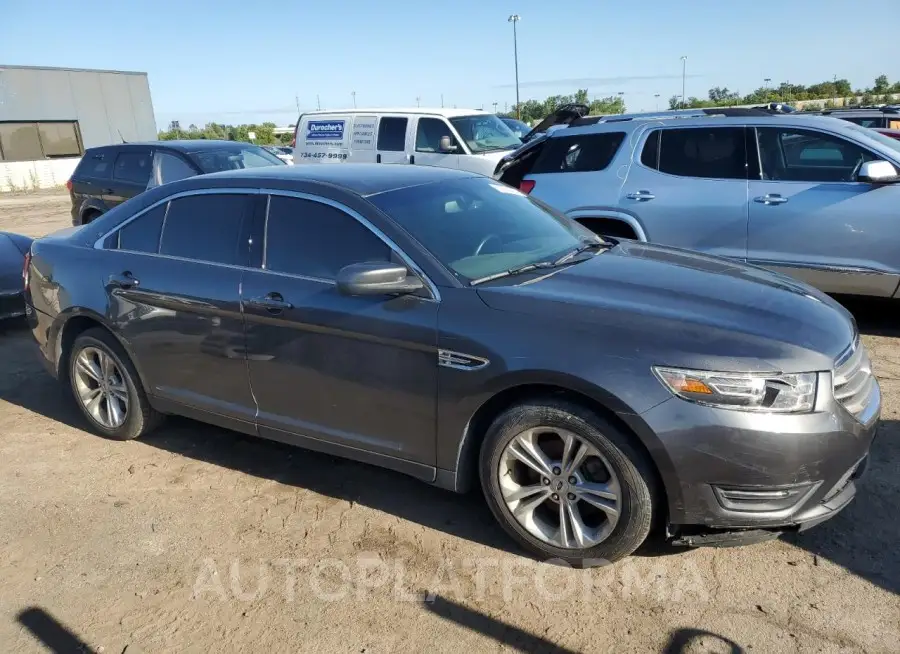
[881, 84]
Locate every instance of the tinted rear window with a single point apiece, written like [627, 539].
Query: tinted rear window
[708, 152]
[96, 165]
[578, 154]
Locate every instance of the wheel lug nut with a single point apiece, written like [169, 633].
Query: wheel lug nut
[546, 481]
[573, 480]
[555, 497]
[556, 470]
[571, 497]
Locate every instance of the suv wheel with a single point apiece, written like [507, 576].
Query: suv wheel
[107, 389]
[566, 483]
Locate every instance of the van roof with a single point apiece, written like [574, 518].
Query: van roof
[440, 111]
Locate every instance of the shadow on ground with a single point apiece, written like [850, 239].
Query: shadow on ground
[862, 538]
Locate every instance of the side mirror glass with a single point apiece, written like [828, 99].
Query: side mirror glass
[877, 172]
[377, 278]
[447, 145]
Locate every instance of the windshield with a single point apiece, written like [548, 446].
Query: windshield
[247, 156]
[517, 127]
[477, 227]
[485, 133]
[883, 139]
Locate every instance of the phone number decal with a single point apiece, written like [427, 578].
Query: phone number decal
[324, 155]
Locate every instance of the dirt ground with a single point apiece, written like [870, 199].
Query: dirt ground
[197, 539]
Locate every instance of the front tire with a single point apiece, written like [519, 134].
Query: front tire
[566, 483]
[107, 389]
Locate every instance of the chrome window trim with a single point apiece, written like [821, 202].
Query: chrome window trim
[412, 265]
[821, 267]
[98, 244]
[432, 288]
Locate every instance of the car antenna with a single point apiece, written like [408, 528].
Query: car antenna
[120, 135]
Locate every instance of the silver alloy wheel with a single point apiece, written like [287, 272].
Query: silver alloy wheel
[101, 387]
[560, 488]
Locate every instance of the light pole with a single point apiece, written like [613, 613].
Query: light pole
[515, 19]
[683, 76]
[495, 107]
[621, 95]
[353, 93]
[656, 95]
[418, 100]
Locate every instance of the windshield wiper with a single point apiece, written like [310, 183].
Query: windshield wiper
[584, 247]
[512, 271]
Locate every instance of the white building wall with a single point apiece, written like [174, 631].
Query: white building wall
[109, 106]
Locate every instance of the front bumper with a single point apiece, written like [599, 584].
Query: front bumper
[733, 470]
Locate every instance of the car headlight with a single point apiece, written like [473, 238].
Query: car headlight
[744, 391]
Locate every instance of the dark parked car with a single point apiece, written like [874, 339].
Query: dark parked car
[884, 116]
[109, 175]
[447, 326]
[13, 248]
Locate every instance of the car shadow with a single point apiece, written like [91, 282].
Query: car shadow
[874, 316]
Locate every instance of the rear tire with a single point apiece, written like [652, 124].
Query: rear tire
[107, 389]
[598, 529]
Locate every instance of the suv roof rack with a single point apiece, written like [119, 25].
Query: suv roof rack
[724, 112]
[885, 108]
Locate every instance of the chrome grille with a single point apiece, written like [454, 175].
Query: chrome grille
[853, 380]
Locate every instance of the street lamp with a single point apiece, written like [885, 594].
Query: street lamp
[621, 95]
[515, 19]
[418, 99]
[495, 107]
[353, 93]
[683, 75]
[656, 95]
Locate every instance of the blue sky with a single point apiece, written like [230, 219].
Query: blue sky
[237, 61]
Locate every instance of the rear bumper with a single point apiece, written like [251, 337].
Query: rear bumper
[12, 304]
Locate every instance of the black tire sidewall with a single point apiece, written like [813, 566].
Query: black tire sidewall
[628, 462]
[134, 421]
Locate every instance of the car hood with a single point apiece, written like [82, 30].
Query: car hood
[684, 308]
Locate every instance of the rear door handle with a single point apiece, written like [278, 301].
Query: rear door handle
[123, 280]
[640, 195]
[771, 198]
[274, 303]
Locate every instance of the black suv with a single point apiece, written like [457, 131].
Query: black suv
[109, 175]
[886, 116]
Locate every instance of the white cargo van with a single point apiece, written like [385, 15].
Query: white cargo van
[466, 139]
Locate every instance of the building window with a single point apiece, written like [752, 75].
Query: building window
[44, 140]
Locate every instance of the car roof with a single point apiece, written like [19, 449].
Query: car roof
[631, 122]
[440, 111]
[362, 179]
[186, 145]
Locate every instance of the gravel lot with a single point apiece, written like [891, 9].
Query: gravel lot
[200, 539]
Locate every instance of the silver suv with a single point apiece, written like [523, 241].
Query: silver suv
[814, 197]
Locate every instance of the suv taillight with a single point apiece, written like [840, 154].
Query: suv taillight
[69, 185]
[526, 186]
[25, 266]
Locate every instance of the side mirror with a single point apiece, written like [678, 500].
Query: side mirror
[377, 278]
[878, 172]
[447, 145]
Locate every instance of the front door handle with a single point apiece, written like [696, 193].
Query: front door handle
[123, 280]
[770, 198]
[106, 191]
[640, 195]
[274, 303]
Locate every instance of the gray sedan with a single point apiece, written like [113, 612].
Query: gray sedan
[449, 327]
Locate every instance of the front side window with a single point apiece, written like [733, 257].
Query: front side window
[707, 152]
[207, 228]
[485, 133]
[429, 133]
[132, 167]
[392, 134]
[800, 155]
[477, 227]
[313, 239]
[234, 158]
[578, 154]
[142, 233]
